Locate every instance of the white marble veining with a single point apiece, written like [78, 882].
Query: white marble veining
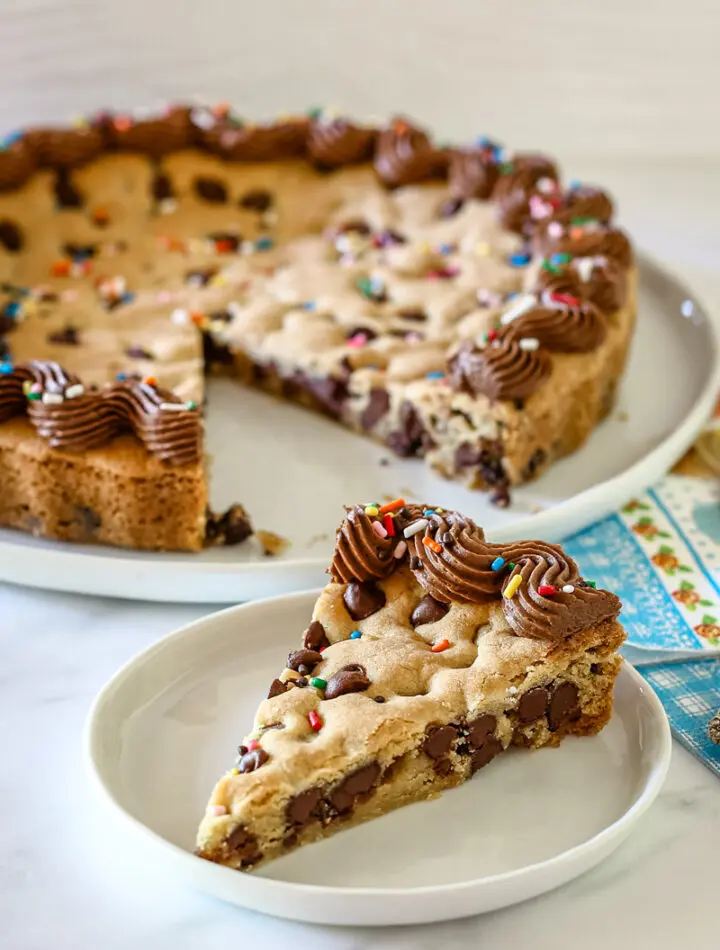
[65, 882]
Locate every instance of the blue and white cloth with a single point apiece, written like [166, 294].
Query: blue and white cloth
[661, 555]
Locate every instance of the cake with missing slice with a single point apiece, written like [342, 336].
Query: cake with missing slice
[430, 652]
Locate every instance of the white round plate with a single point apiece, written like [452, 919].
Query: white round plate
[294, 470]
[167, 725]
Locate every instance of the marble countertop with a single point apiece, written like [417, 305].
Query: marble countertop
[64, 883]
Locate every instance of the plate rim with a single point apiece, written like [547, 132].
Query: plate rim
[198, 871]
[112, 568]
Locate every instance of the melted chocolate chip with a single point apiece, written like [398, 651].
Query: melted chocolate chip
[480, 730]
[533, 704]
[258, 199]
[211, 190]
[417, 316]
[66, 193]
[136, 352]
[349, 679]
[439, 740]
[363, 600]
[315, 637]
[304, 808]
[343, 796]
[11, 237]
[232, 527]
[304, 661]
[377, 407]
[67, 337]
[243, 844]
[277, 687]
[253, 760]
[411, 438]
[486, 753]
[428, 610]
[161, 187]
[563, 706]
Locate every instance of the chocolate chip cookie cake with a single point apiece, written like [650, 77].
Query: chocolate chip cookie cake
[430, 653]
[458, 304]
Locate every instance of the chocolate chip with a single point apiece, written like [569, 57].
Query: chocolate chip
[253, 760]
[428, 610]
[537, 459]
[563, 706]
[379, 699]
[451, 207]
[315, 636]
[596, 668]
[301, 682]
[348, 679]
[363, 600]
[11, 236]
[377, 407]
[411, 438]
[343, 796]
[438, 741]
[242, 749]
[161, 187]
[304, 808]
[136, 352]
[533, 704]
[234, 526]
[243, 844]
[210, 189]
[480, 730]
[66, 194]
[258, 199]
[67, 337]
[486, 753]
[276, 688]
[303, 661]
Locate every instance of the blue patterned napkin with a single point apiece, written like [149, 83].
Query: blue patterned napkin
[661, 555]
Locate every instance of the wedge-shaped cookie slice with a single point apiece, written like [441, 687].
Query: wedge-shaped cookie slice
[429, 653]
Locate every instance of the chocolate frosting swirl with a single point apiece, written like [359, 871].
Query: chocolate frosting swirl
[514, 189]
[531, 614]
[500, 370]
[339, 142]
[405, 155]
[90, 419]
[360, 554]
[65, 148]
[584, 201]
[457, 567]
[17, 163]
[587, 242]
[257, 143]
[472, 173]
[605, 287]
[155, 136]
[561, 329]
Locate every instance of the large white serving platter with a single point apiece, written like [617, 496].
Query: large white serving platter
[294, 470]
[167, 725]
